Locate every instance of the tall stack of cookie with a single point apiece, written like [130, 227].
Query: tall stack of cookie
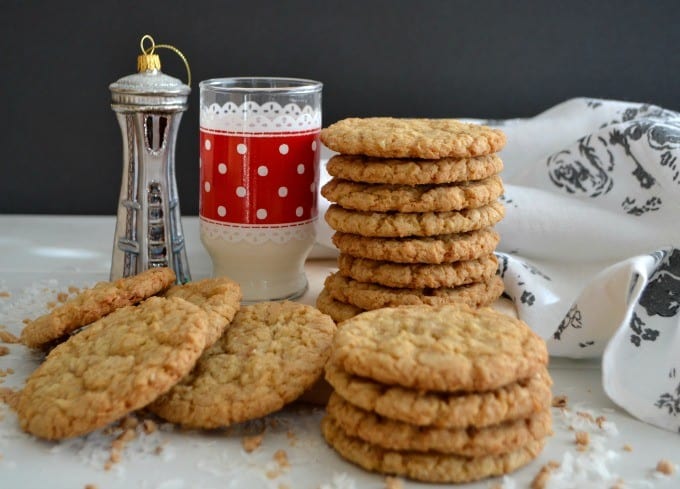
[438, 394]
[415, 201]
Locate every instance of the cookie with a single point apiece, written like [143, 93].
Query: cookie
[412, 198]
[411, 171]
[395, 225]
[397, 435]
[338, 311]
[387, 137]
[370, 296]
[220, 297]
[433, 249]
[270, 354]
[517, 400]
[448, 348]
[120, 363]
[427, 467]
[93, 304]
[416, 275]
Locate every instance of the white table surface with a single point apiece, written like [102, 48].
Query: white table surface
[77, 251]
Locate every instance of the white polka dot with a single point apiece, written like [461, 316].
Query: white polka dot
[207, 145]
[221, 211]
[298, 211]
[262, 171]
[283, 149]
[222, 168]
[206, 186]
[261, 213]
[283, 191]
[313, 145]
[300, 169]
[240, 191]
[241, 149]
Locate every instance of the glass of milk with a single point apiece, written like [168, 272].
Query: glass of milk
[259, 174]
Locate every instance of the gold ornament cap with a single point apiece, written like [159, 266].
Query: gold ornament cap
[148, 62]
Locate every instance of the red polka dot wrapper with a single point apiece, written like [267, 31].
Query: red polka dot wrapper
[261, 179]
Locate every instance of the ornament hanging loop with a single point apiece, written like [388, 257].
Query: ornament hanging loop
[148, 60]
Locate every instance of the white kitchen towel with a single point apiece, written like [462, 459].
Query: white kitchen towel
[590, 245]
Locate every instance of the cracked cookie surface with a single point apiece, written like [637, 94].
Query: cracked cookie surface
[388, 137]
[448, 348]
[219, 297]
[395, 225]
[359, 168]
[270, 354]
[418, 275]
[397, 435]
[513, 401]
[95, 303]
[427, 467]
[120, 363]
[426, 249]
[412, 198]
[369, 296]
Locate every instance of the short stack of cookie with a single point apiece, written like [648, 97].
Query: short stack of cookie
[415, 201]
[438, 394]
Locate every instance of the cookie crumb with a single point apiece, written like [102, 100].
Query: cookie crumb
[51, 305]
[281, 458]
[665, 466]
[3, 351]
[586, 415]
[149, 426]
[600, 421]
[292, 437]
[4, 294]
[91, 486]
[10, 397]
[560, 401]
[541, 479]
[627, 448]
[7, 337]
[393, 483]
[128, 422]
[73, 289]
[582, 441]
[251, 443]
[62, 296]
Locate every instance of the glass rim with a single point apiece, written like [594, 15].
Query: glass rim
[248, 84]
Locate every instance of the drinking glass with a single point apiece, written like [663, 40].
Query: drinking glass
[259, 174]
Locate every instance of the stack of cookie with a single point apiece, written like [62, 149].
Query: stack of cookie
[414, 205]
[438, 394]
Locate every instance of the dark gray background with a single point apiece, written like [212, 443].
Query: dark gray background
[61, 145]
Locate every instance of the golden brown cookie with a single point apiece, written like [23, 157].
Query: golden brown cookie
[95, 303]
[517, 400]
[120, 363]
[418, 275]
[433, 249]
[412, 198]
[397, 435]
[387, 137]
[447, 348]
[396, 224]
[270, 354]
[412, 171]
[220, 297]
[370, 296]
[427, 467]
[338, 311]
